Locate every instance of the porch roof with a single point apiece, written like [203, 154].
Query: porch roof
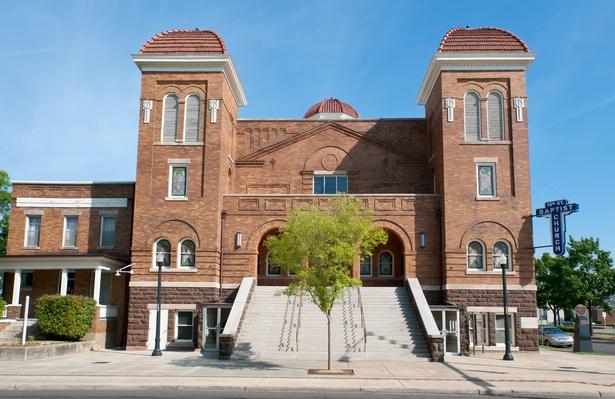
[50, 262]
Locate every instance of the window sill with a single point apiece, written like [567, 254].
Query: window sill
[490, 272]
[106, 247]
[176, 198]
[487, 198]
[487, 142]
[69, 248]
[172, 270]
[196, 143]
[31, 247]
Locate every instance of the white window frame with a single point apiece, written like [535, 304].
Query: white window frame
[392, 264]
[493, 165]
[267, 267]
[512, 329]
[179, 257]
[155, 252]
[27, 229]
[176, 332]
[198, 127]
[371, 265]
[162, 118]
[170, 195]
[503, 136]
[102, 223]
[508, 256]
[76, 232]
[324, 174]
[484, 256]
[480, 118]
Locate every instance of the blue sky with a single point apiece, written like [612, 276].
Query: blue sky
[70, 110]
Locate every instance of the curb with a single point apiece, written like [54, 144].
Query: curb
[251, 388]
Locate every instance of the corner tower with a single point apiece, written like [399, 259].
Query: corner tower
[474, 94]
[190, 94]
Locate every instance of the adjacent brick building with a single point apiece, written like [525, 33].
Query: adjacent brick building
[452, 189]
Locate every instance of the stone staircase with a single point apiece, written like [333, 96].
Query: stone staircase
[12, 333]
[269, 328]
[393, 329]
[282, 327]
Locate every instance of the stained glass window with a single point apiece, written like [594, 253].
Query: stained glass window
[178, 181]
[486, 182]
[385, 264]
[475, 255]
[163, 253]
[187, 253]
[500, 249]
[366, 265]
[272, 269]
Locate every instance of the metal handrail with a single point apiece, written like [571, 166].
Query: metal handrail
[362, 320]
[298, 322]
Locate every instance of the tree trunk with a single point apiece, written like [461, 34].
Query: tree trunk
[329, 342]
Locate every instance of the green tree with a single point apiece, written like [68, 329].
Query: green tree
[5, 207]
[556, 284]
[594, 274]
[320, 246]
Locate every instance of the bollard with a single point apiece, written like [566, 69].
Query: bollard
[25, 321]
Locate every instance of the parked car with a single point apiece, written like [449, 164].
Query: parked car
[553, 336]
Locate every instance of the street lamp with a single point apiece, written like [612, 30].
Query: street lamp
[159, 263]
[501, 260]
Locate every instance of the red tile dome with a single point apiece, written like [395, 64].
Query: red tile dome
[481, 40]
[331, 106]
[190, 42]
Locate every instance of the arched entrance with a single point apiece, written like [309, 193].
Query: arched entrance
[267, 272]
[385, 267]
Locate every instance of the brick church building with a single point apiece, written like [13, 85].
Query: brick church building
[452, 190]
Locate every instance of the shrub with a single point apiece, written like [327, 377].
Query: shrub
[67, 318]
[2, 306]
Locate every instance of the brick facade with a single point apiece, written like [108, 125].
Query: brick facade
[418, 176]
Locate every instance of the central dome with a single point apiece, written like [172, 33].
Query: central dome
[331, 108]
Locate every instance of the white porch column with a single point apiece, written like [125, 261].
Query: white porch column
[16, 287]
[63, 282]
[97, 278]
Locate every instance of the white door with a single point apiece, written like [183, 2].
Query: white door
[164, 327]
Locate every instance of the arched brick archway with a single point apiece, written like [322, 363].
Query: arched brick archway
[386, 264]
[267, 273]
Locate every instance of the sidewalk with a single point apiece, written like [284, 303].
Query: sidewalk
[548, 373]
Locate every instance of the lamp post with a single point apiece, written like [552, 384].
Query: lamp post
[502, 262]
[159, 263]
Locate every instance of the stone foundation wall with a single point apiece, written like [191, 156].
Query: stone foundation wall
[525, 302]
[141, 297]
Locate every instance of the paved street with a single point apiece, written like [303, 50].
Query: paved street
[224, 395]
[548, 373]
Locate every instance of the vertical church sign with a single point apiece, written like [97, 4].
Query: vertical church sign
[557, 212]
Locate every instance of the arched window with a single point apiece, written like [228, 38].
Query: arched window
[501, 255]
[163, 254]
[495, 112]
[192, 118]
[187, 253]
[471, 112]
[273, 269]
[169, 118]
[366, 265]
[476, 255]
[385, 264]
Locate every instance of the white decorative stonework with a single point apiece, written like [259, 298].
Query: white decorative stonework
[148, 105]
[519, 103]
[529, 322]
[214, 106]
[449, 103]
